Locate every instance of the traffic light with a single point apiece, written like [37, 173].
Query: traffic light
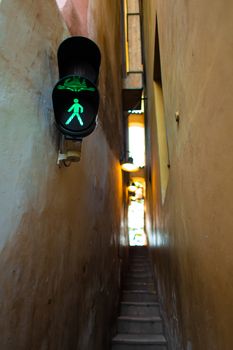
[75, 96]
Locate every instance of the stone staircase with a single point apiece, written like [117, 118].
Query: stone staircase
[139, 325]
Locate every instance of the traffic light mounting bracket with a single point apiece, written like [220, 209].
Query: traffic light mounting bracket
[69, 151]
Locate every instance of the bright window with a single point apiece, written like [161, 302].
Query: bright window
[137, 144]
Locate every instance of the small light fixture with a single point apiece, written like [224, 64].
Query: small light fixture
[128, 165]
[132, 187]
[139, 193]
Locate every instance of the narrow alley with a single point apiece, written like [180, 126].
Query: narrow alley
[116, 193]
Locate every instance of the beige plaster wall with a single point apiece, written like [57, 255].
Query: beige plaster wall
[191, 233]
[59, 228]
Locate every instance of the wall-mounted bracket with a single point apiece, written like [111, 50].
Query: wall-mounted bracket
[70, 151]
[177, 117]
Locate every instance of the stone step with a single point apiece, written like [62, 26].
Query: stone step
[139, 274]
[139, 325]
[149, 286]
[139, 259]
[146, 309]
[140, 263]
[139, 268]
[137, 248]
[139, 342]
[139, 279]
[138, 295]
[135, 253]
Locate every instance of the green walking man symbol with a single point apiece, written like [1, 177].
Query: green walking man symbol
[76, 108]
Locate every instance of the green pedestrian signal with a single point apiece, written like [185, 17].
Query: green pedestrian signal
[75, 96]
[76, 107]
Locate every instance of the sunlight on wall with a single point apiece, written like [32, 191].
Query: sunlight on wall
[60, 3]
[162, 139]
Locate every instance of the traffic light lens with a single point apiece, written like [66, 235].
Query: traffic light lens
[75, 96]
[75, 102]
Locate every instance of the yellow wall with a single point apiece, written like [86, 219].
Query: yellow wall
[191, 234]
[60, 229]
[162, 139]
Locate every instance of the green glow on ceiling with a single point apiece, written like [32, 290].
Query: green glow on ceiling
[75, 84]
[76, 108]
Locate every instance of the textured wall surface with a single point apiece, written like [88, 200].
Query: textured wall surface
[59, 228]
[191, 234]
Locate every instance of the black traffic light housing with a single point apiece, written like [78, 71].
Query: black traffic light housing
[75, 96]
